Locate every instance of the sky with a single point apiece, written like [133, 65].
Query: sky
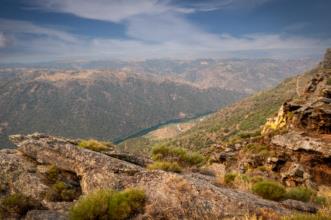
[52, 30]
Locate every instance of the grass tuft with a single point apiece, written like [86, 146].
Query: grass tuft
[166, 166]
[95, 145]
[300, 193]
[268, 189]
[60, 191]
[177, 154]
[229, 178]
[108, 204]
[16, 205]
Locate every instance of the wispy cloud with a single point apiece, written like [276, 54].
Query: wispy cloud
[212, 5]
[51, 44]
[109, 10]
[154, 29]
[3, 40]
[296, 26]
[119, 10]
[19, 27]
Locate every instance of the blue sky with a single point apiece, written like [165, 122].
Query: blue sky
[44, 30]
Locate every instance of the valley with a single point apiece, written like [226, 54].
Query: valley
[115, 100]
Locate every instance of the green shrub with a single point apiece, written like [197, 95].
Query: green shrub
[300, 193]
[328, 82]
[52, 173]
[123, 204]
[229, 178]
[95, 145]
[166, 166]
[16, 204]
[61, 192]
[320, 200]
[269, 190]
[256, 148]
[177, 154]
[3, 187]
[305, 216]
[108, 204]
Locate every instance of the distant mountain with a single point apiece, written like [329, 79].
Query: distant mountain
[243, 75]
[100, 104]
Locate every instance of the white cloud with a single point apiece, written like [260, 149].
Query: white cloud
[52, 44]
[155, 29]
[3, 40]
[108, 10]
[296, 26]
[119, 10]
[19, 27]
[212, 5]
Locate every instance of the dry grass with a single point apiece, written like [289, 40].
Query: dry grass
[95, 145]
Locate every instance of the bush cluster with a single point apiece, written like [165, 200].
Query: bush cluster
[61, 191]
[52, 173]
[16, 205]
[268, 189]
[95, 145]
[328, 82]
[256, 148]
[275, 191]
[166, 166]
[177, 154]
[229, 178]
[305, 216]
[300, 193]
[108, 204]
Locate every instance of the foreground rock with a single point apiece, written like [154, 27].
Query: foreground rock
[169, 195]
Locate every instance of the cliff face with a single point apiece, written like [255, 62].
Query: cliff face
[304, 127]
[312, 110]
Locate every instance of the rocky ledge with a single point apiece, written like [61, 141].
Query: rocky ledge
[169, 195]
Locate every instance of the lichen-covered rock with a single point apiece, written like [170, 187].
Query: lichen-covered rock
[296, 175]
[44, 215]
[300, 206]
[299, 141]
[169, 195]
[18, 174]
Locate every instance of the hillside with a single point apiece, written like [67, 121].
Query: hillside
[100, 104]
[242, 118]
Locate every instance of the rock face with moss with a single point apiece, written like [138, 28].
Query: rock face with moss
[168, 195]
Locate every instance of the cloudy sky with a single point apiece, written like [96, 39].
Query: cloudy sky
[44, 30]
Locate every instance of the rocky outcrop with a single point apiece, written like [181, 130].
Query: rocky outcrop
[169, 195]
[299, 141]
[16, 171]
[300, 206]
[302, 130]
[312, 111]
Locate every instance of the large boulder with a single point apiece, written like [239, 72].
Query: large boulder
[169, 195]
